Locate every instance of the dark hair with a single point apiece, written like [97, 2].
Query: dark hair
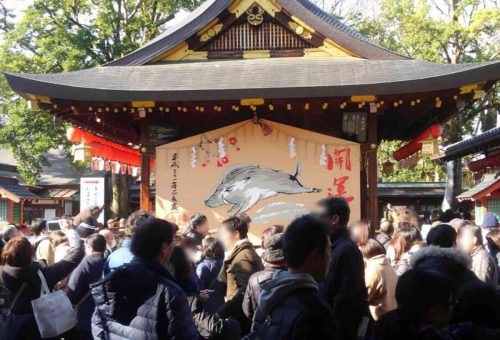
[435, 215]
[336, 206]
[212, 249]
[478, 303]
[304, 235]
[150, 236]
[18, 252]
[245, 217]
[181, 267]
[97, 242]
[442, 235]
[371, 248]
[417, 290]
[38, 225]
[237, 224]
[268, 232]
[446, 216]
[403, 239]
[196, 221]
[134, 219]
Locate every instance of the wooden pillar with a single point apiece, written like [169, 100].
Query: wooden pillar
[21, 212]
[372, 169]
[365, 147]
[145, 182]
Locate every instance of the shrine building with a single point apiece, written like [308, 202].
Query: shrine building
[256, 106]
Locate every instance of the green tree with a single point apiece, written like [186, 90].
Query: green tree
[66, 35]
[450, 31]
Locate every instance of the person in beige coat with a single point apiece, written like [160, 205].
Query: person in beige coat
[380, 279]
[240, 262]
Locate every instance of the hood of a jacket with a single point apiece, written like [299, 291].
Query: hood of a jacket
[28, 273]
[274, 290]
[452, 254]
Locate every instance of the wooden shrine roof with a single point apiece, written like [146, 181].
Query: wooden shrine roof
[319, 20]
[293, 77]
[478, 143]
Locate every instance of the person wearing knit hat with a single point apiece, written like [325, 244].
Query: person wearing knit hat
[273, 253]
[274, 260]
[490, 220]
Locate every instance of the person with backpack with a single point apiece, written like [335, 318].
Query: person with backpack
[140, 299]
[41, 242]
[22, 277]
[88, 271]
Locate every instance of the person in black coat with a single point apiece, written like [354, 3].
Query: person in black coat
[426, 300]
[344, 288]
[290, 306]
[19, 269]
[140, 300]
[274, 260]
[88, 271]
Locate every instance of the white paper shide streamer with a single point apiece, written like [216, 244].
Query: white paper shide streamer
[322, 158]
[293, 148]
[221, 147]
[193, 157]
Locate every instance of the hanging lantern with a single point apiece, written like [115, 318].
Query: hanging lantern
[82, 152]
[430, 147]
[387, 168]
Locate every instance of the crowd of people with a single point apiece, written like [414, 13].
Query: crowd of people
[317, 278]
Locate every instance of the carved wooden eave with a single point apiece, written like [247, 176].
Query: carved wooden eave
[230, 29]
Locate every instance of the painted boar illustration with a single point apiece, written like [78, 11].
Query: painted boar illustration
[243, 186]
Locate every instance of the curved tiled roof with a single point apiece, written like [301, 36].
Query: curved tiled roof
[250, 78]
[488, 139]
[321, 21]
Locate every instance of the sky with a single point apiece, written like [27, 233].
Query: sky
[341, 6]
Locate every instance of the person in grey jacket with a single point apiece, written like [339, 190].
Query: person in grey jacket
[290, 306]
[483, 264]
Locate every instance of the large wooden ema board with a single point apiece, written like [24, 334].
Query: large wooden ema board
[270, 171]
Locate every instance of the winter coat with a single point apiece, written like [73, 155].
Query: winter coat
[251, 298]
[397, 325]
[237, 269]
[344, 288]
[21, 323]
[448, 261]
[208, 270]
[211, 326]
[401, 265]
[119, 257]
[88, 271]
[484, 266]
[290, 307]
[381, 280]
[140, 300]
[194, 235]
